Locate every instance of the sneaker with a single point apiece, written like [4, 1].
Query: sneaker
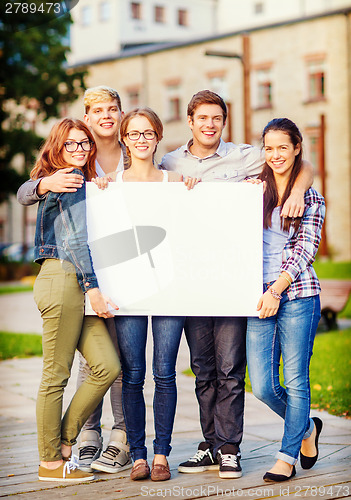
[229, 462]
[202, 461]
[68, 472]
[90, 446]
[116, 457]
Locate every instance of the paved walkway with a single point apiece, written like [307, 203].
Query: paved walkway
[19, 380]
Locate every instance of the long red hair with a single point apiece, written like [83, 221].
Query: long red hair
[50, 158]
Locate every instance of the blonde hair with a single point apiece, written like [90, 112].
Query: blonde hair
[101, 93]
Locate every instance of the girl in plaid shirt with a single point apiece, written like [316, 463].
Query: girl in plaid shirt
[289, 309]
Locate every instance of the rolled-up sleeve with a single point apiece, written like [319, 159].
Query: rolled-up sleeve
[252, 159]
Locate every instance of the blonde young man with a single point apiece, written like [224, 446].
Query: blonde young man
[217, 344]
[103, 113]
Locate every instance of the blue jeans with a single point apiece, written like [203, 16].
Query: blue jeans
[218, 359]
[131, 335]
[290, 334]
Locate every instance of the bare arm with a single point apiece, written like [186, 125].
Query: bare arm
[294, 205]
[268, 305]
[99, 303]
[190, 182]
[61, 181]
[174, 177]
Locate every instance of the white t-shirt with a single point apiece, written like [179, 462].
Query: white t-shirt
[119, 177]
[120, 166]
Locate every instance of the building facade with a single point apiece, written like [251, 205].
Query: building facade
[103, 28]
[300, 69]
[236, 14]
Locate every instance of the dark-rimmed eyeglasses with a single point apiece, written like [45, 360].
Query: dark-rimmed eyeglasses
[72, 146]
[147, 134]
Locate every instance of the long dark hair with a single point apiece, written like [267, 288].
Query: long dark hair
[271, 198]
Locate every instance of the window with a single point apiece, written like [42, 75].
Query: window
[219, 84]
[183, 17]
[262, 97]
[133, 98]
[135, 10]
[313, 137]
[258, 8]
[174, 109]
[104, 11]
[264, 89]
[316, 80]
[86, 15]
[159, 14]
[173, 102]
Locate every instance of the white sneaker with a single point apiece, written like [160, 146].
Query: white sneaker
[67, 472]
[116, 457]
[90, 446]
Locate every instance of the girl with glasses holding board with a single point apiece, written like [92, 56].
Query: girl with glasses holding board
[65, 276]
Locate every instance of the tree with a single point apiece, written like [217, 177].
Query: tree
[34, 79]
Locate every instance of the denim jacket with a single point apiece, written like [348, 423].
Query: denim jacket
[61, 233]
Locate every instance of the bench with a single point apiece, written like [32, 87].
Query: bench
[334, 297]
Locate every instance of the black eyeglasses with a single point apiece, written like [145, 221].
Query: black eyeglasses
[147, 134]
[72, 146]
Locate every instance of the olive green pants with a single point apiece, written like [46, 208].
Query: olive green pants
[60, 301]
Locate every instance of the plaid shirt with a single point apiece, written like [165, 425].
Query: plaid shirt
[300, 249]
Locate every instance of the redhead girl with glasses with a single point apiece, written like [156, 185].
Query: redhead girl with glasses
[66, 275]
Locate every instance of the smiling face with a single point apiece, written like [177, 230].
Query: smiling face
[141, 149]
[207, 125]
[280, 153]
[78, 158]
[104, 118]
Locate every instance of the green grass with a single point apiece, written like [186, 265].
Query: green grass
[332, 270]
[19, 345]
[336, 271]
[330, 373]
[15, 289]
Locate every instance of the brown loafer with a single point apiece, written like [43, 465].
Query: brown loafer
[160, 472]
[140, 471]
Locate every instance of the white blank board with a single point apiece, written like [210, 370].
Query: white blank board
[159, 249]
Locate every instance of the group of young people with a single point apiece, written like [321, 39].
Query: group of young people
[116, 147]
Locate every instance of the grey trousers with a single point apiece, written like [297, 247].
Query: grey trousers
[94, 420]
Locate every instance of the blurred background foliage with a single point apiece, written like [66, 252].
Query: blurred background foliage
[34, 84]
